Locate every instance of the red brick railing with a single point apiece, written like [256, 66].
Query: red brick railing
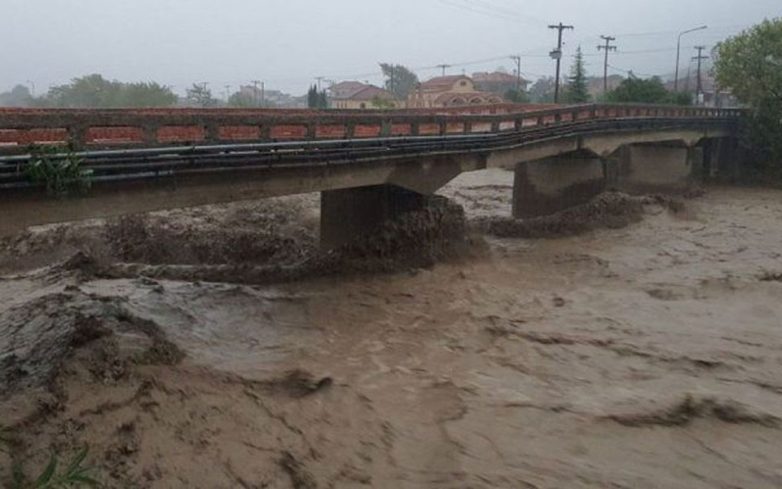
[129, 128]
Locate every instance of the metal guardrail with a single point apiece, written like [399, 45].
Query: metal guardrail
[507, 130]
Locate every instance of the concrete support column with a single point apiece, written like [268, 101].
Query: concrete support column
[349, 213]
[650, 168]
[547, 186]
[726, 159]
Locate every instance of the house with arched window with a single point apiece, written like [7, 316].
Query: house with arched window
[356, 95]
[450, 91]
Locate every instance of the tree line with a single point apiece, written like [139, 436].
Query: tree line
[95, 91]
[751, 65]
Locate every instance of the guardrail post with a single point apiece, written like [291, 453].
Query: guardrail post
[150, 134]
[77, 135]
[495, 126]
[212, 132]
[350, 130]
[312, 130]
[266, 132]
[385, 128]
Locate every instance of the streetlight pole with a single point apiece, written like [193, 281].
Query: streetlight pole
[679, 51]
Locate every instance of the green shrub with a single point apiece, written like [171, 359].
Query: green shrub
[60, 173]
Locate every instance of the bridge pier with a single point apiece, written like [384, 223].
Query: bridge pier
[655, 168]
[546, 186]
[348, 213]
[724, 159]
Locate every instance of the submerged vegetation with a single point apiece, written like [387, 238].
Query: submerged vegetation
[73, 475]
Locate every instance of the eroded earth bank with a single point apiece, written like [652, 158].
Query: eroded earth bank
[631, 343]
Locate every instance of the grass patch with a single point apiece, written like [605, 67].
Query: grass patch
[73, 475]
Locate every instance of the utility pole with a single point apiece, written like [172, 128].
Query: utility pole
[678, 54]
[608, 48]
[557, 55]
[517, 59]
[263, 94]
[699, 86]
[320, 80]
[227, 92]
[255, 92]
[443, 67]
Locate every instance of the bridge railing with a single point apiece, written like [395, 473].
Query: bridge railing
[129, 128]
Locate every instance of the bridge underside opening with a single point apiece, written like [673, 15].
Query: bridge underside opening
[553, 184]
[545, 186]
[347, 214]
[655, 168]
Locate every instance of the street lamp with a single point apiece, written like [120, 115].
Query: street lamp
[678, 54]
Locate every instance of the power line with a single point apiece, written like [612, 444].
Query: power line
[630, 72]
[486, 9]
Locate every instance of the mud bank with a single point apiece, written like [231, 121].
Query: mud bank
[641, 356]
[610, 210]
[418, 239]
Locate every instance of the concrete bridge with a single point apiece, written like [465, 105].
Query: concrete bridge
[369, 166]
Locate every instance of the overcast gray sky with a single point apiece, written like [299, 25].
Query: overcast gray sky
[288, 43]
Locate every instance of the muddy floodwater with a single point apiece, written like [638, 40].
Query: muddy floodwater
[643, 356]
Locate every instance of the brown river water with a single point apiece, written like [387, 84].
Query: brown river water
[646, 356]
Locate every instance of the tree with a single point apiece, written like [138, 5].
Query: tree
[94, 91]
[517, 96]
[200, 96]
[242, 100]
[577, 91]
[146, 94]
[399, 80]
[646, 91]
[542, 91]
[19, 96]
[750, 65]
[317, 99]
[91, 91]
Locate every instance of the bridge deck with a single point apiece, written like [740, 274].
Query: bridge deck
[119, 145]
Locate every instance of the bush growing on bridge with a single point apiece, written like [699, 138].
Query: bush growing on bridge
[61, 173]
[750, 64]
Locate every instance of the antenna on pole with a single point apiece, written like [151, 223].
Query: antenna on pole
[443, 67]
